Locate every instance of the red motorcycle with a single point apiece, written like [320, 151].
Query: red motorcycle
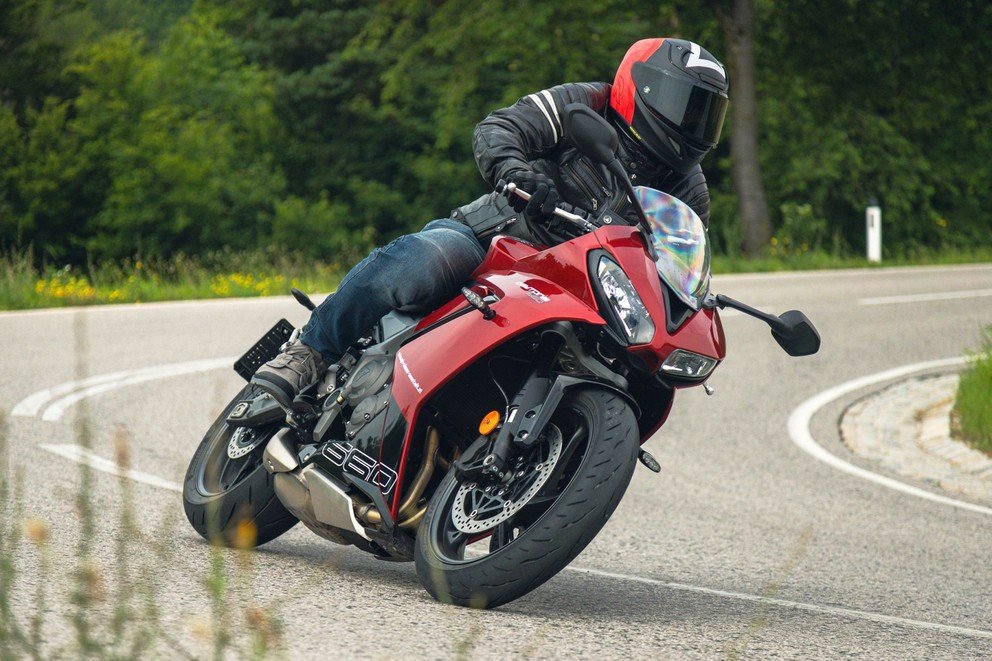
[491, 439]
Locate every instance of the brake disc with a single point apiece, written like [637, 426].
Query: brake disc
[243, 441]
[478, 507]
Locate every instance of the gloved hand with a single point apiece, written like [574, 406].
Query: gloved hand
[543, 195]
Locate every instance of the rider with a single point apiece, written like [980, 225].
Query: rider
[667, 104]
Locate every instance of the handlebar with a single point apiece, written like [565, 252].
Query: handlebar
[579, 221]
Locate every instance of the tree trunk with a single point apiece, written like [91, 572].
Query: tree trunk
[738, 31]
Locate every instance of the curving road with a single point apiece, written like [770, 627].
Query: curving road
[745, 545]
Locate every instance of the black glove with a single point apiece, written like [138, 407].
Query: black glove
[543, 195]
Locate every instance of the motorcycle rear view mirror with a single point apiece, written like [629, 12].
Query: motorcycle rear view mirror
[793, 330]
[590, 132]
[796, 334]
[595, 138]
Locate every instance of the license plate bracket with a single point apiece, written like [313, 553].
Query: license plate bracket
[264, 350]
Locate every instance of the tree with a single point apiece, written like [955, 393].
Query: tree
[888, 100]
[191, 165]
[737, 23]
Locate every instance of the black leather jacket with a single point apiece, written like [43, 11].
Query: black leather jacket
[528, 135]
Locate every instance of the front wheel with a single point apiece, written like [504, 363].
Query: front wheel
[483, 544]
[228, 495]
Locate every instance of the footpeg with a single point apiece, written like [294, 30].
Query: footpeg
[649, 461]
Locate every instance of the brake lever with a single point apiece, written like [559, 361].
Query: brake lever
[511, 188]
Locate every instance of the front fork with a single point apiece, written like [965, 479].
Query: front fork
[534, 405]
[490, 458]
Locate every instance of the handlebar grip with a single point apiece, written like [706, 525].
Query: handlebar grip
[574, 215]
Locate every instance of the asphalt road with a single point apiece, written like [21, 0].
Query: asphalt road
[745, 545]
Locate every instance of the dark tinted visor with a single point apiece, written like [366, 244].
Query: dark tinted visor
[697, 112]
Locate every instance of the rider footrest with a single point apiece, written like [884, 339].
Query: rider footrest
[264, 350]
[649, 461]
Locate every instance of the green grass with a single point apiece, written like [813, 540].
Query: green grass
[221, 275]
[973, 408]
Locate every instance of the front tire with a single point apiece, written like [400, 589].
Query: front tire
[232, 500]
[593, 440]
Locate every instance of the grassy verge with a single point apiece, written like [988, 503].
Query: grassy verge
[221, 275]
[973, 408]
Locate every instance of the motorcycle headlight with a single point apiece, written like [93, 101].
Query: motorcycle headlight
[688, 365]
[626, 304]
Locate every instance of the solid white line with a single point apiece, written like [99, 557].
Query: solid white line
[798, 605]
[81, 455]
[59, 398]
[860, 273]
[32, 404]
[925, 298]
[799, 431]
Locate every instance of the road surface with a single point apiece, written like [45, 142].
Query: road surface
[746, 545]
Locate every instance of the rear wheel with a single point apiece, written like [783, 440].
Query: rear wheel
[485, 544]
[228, 495]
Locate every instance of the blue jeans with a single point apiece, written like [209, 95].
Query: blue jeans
[414, 272]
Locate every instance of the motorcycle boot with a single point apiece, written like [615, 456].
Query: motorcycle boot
[287, 374]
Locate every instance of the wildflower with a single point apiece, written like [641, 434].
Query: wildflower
[36, 531]
[245, 535]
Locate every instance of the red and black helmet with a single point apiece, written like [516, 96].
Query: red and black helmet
[670, 97]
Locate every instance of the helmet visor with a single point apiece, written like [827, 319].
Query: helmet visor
[696, 111]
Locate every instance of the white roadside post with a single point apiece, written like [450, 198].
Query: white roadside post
[873, 228]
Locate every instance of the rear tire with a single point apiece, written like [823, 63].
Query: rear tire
[595, 460]
[232, 501]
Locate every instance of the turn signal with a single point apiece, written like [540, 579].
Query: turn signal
[489, 423]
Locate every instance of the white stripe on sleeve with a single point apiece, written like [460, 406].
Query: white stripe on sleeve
[540, 104]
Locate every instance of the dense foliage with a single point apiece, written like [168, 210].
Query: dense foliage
[152, 127]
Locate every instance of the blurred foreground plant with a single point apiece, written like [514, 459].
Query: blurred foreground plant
[112, 596]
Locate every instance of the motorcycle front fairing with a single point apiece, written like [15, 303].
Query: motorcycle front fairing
[530, 289]
[457, 336]
[701, 331]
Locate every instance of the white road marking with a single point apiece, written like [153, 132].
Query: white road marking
[58, 399]
[797, 605]
[926, 298]
[799, 431]
[799, 420]
[860, 274]
[81, 455]
[130, 307]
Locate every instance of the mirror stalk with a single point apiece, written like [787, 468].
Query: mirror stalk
[793, 331]
[770, 319]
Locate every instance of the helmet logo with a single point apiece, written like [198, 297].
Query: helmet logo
[696, 61]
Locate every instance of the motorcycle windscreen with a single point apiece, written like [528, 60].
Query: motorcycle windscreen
[680, 244]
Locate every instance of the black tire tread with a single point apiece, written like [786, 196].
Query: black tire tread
[216, 517]
[571, 523]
